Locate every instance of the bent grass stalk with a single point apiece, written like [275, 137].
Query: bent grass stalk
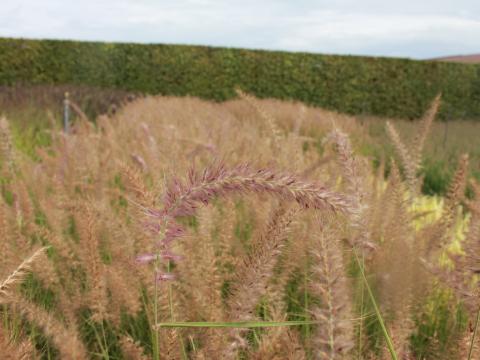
[19, 274]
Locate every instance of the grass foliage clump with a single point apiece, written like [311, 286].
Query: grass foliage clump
[176, 228]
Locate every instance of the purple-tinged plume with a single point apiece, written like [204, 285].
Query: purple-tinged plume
[182, 199]
[165, 277]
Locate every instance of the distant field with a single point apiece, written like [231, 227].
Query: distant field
[467, 59]
[31, 110]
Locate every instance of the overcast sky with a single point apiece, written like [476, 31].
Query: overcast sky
[408, 28]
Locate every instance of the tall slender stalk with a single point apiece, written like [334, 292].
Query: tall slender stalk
[391, 349]
[362, 308]
[155, 335]
[170, 297]
[472, 342]
[170, 306]
[305, 299]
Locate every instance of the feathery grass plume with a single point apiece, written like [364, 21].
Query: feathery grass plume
[182, 199]
[8, 237]
[168, 303]
[143, 198]
[162, 304]
[400, 274]
[380, 205]
[395, 260]
[6, 146]
[203, 271]
[276, 133]
[471, 245]
[123, 291]
[227, 244]
[207, 267]
[254, 273]
[346, 160]
[405, 158]
[456, 190]
[217, 180]
[135, 183]
[65, 338]
[132, 350]
[63, 249]
[354, 186]
[23, 205]
[171, 344]
[19, 274]
[12, 351]
[257, 268]
[455, 194]
[398, 211]
[87, 226]
[425, 126]
[293, 258]
[279, 343]
[474, 205]
[334, 337]
[463, 279]
[411, 160]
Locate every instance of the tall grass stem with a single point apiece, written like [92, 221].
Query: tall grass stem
[377, 310]
[472, 342]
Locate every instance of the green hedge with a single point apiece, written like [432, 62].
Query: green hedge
[357, 85]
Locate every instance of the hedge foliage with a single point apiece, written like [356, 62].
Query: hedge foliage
[356, 85]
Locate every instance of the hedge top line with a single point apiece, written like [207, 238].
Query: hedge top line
[388, 87]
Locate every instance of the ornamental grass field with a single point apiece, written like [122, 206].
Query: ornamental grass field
[176, 228]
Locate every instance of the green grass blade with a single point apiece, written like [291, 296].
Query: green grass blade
[377, 310]
[235, 324]
[470, 351]
[360, 330]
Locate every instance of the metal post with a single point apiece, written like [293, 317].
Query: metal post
[66, 114]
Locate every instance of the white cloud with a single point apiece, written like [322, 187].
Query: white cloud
[345, 33]
[409, 28]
